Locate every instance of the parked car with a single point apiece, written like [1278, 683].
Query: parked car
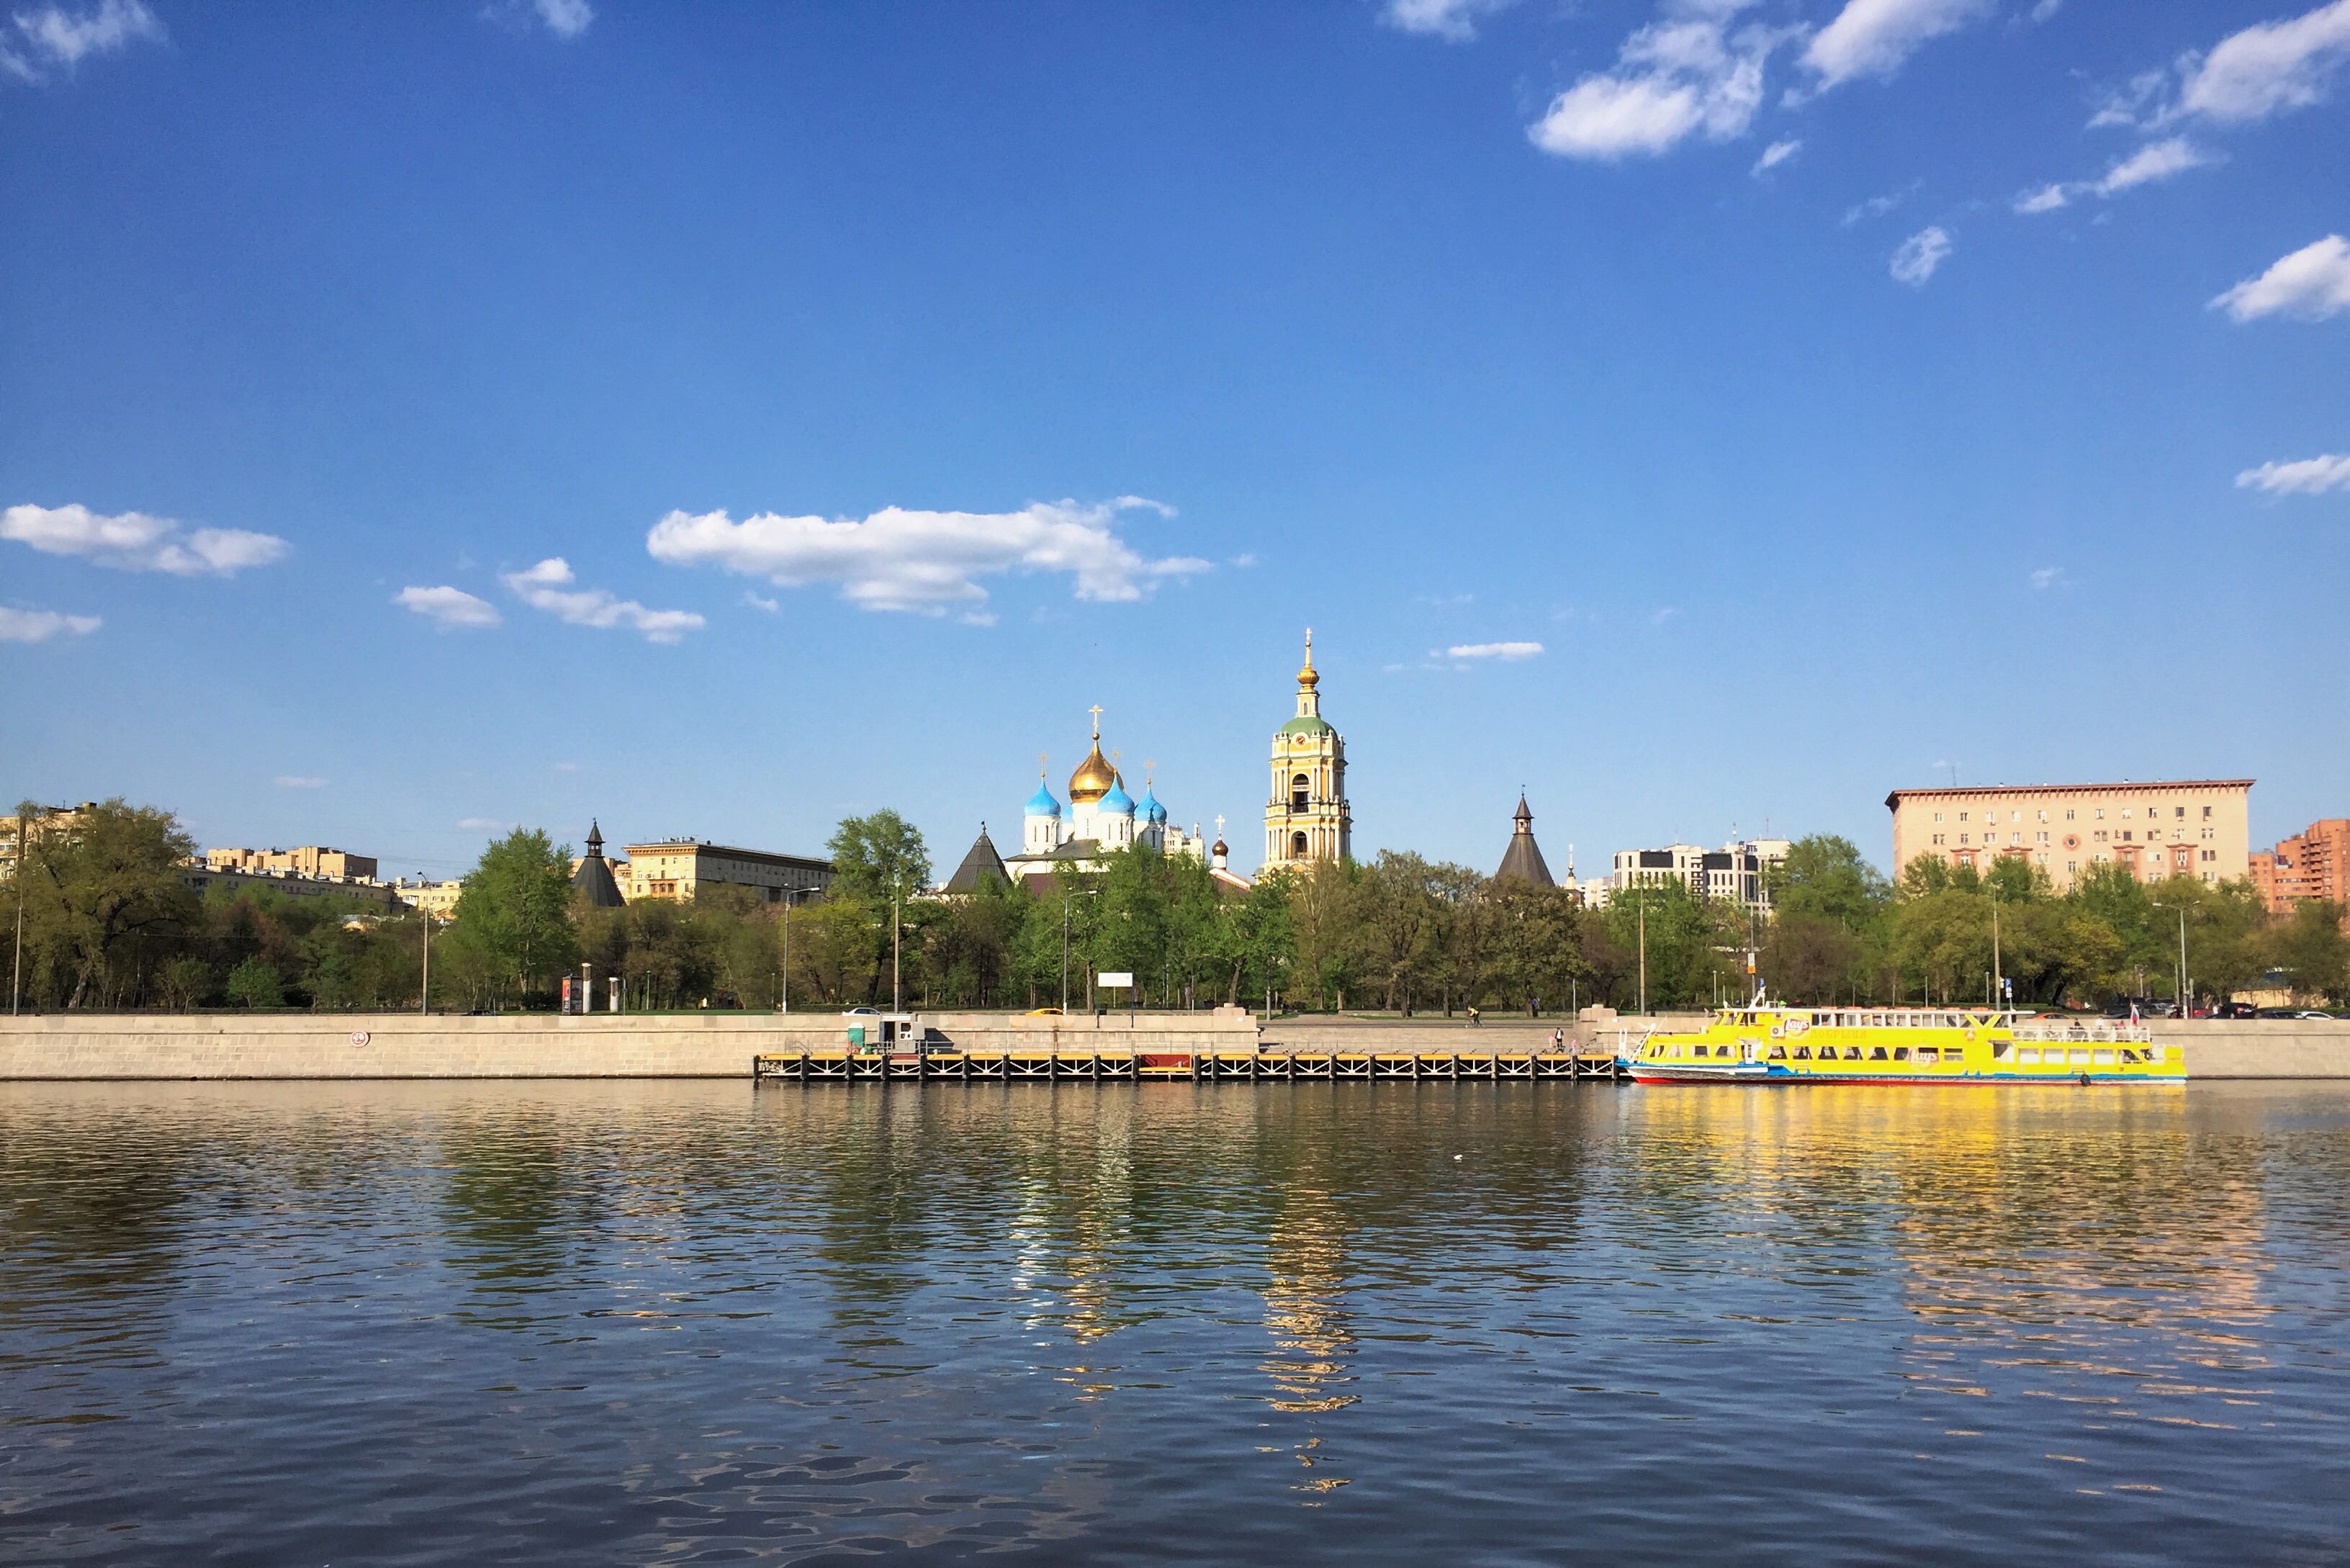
[2235, 1010]
[860, 1013]
[2276, 1012]
[2313, 1012]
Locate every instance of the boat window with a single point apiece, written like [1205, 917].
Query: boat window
[2128, 1055]
[1928, 1054]
[1852, 1053]
[2078, 1058]
[1778, 1052]
[2027, 1058]
[1803, 1052]
[1877, 1053]
[2104, 1058]
[1901, 1052]
[1997, 1052]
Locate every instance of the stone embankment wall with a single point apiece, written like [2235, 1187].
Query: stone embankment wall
[529, 1045]
[720, 1044]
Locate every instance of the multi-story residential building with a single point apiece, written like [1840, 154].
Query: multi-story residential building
[679, 868]
[17, 833]
[204, 878]
[438, 900]
[1737, 873]
[310, 861]
[2181, 827]
[2313, 863]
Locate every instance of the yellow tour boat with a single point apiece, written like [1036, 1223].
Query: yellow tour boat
[1772, 1043]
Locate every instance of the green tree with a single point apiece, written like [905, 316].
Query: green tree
[1825, 877]
[255, 983]
[515, 911]
[105, 903]
[2310, 946]
[1402, 914]
[879, 859]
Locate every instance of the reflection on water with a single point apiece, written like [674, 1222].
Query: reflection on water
[1409, 1323]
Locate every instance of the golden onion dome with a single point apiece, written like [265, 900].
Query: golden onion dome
[1306, 677]
[1093, 778]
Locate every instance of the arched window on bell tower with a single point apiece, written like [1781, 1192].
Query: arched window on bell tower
[1301, 790]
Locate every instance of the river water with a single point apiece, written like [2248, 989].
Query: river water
[374, 1324]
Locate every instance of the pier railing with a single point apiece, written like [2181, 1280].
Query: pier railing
[1234, 1067]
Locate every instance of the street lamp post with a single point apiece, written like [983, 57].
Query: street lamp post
[783, 981]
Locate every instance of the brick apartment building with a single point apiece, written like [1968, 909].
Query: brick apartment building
[2315, 864]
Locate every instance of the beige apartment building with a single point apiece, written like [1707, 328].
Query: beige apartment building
[310, 861]
[679, 868]
[2190, 827]
[16, 833]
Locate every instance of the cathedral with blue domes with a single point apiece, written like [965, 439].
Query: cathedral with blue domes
[1100, 819]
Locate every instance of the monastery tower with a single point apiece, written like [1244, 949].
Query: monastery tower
[1307, 817]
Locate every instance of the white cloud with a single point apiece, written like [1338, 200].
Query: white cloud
[1919, 256]
[449, 606]
[1683, 74]
[483, 823]
[297, 781]
[1778, 153]
[2310, 477]
[2155, 161]
[1669, 612]
[40, 626]
[2312, 283]
[923, 561]
[2269, 68]
[134, 541]
[1506, 651]
[1878, 206]
[564, 18]
[2045, 9]
[53, 36]
[1452, 19]
[2047, 577]
[1873, 37]
[548, 587]
[757, 602]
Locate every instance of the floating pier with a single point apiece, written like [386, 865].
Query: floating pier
[1217, 1066]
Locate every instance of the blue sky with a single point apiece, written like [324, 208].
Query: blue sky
[719, 419]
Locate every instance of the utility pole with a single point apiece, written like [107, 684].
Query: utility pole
[17, 980]
[424, 986]
[2183, 983]
[896, 1003]
[1644, 956]
[1995, 975]
[784, 986]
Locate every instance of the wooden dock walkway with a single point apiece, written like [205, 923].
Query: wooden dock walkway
[1309, 1066]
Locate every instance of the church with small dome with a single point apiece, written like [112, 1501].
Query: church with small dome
[1101, 818]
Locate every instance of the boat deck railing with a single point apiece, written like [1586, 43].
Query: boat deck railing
[1041, 1067]
[2086, 1031]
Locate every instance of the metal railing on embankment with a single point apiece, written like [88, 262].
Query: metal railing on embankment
[1203, 1066]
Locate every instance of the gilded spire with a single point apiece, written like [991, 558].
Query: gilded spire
[1306, 677]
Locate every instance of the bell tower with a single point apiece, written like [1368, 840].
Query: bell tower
[1307, 817]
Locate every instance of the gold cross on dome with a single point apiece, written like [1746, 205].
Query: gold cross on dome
[1044, 761]
[1097, 713]
[1149, 768]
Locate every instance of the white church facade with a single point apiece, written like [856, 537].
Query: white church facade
[1100, 819]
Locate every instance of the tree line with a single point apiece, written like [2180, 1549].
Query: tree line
[109, 921]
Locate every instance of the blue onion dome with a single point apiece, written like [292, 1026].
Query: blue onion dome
[1042, 803]
[1149, 808]
[1115, 799]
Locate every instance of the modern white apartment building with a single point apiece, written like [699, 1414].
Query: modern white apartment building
[1736, 873]
[2181, 827]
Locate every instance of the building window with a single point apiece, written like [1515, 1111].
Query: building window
[2043, 816]
[1938, 816]
[2207, 814]
[1300, 786]
[1297, 845]
[2179, 811]
[2072, 866]
[1962, 839]
[2125, 813]
[1962, 816]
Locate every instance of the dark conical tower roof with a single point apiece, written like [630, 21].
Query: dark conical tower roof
[982, 864]
[594, 878]
[1523, 858]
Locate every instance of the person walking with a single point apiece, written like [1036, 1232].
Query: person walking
[1474, 1016]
